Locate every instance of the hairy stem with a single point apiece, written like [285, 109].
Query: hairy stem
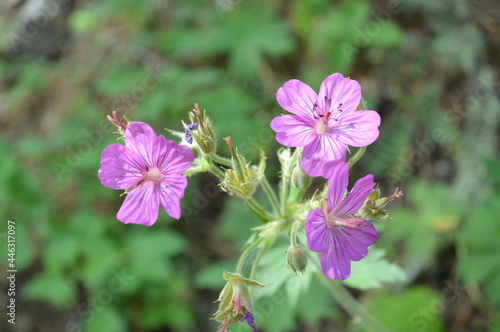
[245, 253]
[357, 155]
[271, 195]
[347, 301]
[258, 210]
[220, 160]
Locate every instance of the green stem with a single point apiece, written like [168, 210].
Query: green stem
[220, 160]
[285, 182]
[357, 155]
[258, 210]
[214, 169]
[271, 195]
[293, 232]
[348, 302]
[245, 253]
[256, 262]
[283, 194]
[194, 170]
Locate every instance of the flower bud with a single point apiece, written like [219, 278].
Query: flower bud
[204, 135]
[242, 180]
[235, 300]
[296, 258]
[373, 208]
[122, 126]
[300, 179]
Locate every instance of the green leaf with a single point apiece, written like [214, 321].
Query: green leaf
[417, 309]
[493, 168]
[236, 221]
[100, 258]
[373, 270]
[316, 303]
[435, 216]
[273, 271]
[53, 288]
[210, 276]
[61, 252]
[151, 253]
[108, 319]
[479, 240]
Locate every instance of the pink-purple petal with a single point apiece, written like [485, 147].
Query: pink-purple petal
[340, 90]
[297, 97]
[141, 205]
[347, 244]
[337, 185]
[355, 199]
[317, 232]
[172, 190]
[139, 137]
[320, 156]
[359, 128]
[335, 264]
[293, 131]
[121, 168]
[171, 157]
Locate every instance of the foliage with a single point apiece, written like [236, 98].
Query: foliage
[151, 60]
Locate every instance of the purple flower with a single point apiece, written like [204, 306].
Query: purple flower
[149, 168]
[248, 316]
[329, 230]
[188, 135]
[324, 124]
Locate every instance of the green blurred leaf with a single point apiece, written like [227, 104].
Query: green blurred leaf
[108, 319]
[61, 252]
[236, 221]
[479, 239]
[417, 309]
[493, 168]
[54, 288]
[435, 216]
[316, 303]
[373, 270]
[210, 277]
[101, 257]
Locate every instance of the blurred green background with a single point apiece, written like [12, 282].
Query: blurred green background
[430, 68]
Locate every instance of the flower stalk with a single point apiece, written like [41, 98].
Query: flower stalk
[347, 301]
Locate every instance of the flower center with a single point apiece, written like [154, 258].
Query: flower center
[332, 222]
[325, 114]
[153, 174]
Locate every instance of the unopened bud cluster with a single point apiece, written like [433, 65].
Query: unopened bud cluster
[243, 179]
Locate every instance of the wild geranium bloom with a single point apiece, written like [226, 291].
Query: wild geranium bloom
[325, 123]
[149, 168]
[332, 231]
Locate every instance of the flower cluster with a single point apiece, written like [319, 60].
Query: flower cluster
[152, 171]
[324, 125]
